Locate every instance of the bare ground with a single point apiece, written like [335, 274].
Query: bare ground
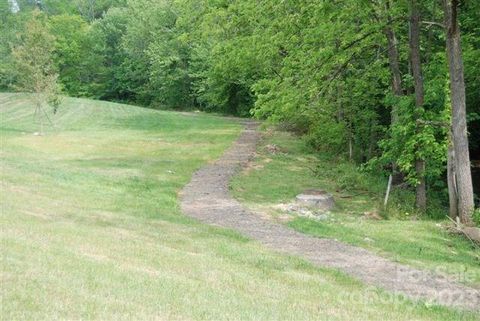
[207, 198]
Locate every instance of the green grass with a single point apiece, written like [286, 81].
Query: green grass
[274, 179]
[91, 229]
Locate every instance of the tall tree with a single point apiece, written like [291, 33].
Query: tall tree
[77, 62]
[396, 74]
[393, 57]
[415, 59]
[463, 176]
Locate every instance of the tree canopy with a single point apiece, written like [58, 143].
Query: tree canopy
[340, 73]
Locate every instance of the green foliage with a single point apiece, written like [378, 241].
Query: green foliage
[169, 58]
[79, 65]
[107, 34]
[409, 140]
[34, 65]
[476, 217]
[320, 69]
[89, 10]
[10, 26]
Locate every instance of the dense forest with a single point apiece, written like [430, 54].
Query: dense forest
[371, 81]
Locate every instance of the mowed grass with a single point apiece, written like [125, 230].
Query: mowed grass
[273, 179]
[91, 229]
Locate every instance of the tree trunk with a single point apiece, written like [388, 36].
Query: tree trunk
[394, 65]
[393, 59]
[421, 195]
[463, 173]
[452, 188]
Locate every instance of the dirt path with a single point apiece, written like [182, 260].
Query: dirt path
[207, 198]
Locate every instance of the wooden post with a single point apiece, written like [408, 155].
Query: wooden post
[389, 186]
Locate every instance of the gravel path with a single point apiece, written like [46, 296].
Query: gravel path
[207, 198]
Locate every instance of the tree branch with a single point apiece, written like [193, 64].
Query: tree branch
[433, 23]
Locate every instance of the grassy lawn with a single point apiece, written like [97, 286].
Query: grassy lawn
[276, 178]
[91, 228]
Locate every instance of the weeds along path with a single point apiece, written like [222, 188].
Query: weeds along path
[207, 198]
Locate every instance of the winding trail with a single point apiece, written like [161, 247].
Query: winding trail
[207, 198]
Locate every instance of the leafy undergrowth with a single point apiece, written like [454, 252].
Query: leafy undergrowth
[275, 178]
[91, 229]
[476, 217]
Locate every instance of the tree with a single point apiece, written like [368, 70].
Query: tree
[36, 73]
[106, 34]
[421, 195]
[93, 9]
[79, 65]
[8, 28]
[337, 72]
[169, 55]
[463, 176]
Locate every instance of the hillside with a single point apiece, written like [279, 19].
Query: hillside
[91, 228]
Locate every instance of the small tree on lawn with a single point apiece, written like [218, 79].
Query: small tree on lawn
[35, 68]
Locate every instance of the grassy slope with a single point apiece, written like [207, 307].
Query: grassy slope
[91, 228]
[274, 179]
